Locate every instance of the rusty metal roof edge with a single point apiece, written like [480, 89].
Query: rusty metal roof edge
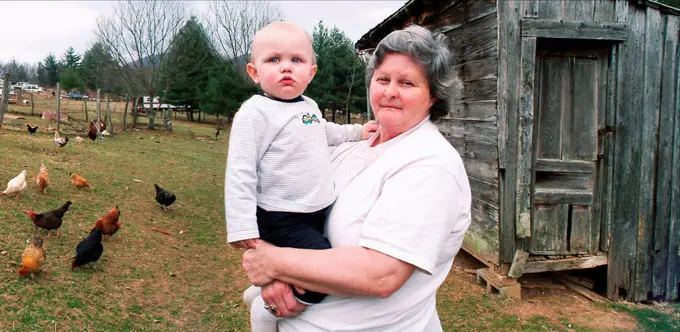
[364, 39]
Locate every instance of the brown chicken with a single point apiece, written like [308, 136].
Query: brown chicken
[78, 181]
[50, 220]
[43, 179]
[32, 258]
[109, 223]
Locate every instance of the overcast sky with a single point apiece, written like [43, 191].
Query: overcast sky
[32, 29]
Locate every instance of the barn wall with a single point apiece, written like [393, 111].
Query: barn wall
[472, 124]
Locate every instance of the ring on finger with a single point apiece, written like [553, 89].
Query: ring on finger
[271, 308]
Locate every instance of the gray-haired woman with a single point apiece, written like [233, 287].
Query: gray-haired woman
[401, 214]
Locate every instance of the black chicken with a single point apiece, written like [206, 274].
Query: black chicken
[89, 249]
[50, 220]
[217, 132]
[31, 130]
[164, 197]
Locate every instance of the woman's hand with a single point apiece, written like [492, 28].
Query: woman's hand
[368, 129]
[281, 297]
[258, 262]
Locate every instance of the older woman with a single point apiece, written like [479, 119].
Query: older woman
[401, 214]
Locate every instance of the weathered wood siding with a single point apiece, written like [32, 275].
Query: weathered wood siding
[644, 259]
[472, 124]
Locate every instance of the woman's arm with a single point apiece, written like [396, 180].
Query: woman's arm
[348, 271]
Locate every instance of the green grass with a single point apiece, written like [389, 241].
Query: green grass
[652, 318]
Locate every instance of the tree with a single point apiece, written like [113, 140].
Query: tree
[51, 70]
[138, 35]
[70, 79]
[233, 25]
[17, 72]
[225, 91]
[99, 70]
[71, 59]
[41, 74]
[191, 57]
[339, 82]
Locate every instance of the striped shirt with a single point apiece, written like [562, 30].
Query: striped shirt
[279, 160]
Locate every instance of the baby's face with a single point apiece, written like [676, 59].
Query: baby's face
[282, 63]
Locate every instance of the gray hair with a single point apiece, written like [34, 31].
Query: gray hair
[430, 50]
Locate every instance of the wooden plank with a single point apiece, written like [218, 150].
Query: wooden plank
[602, 100]
[530, 8]
[621, 11]
[486, 131]
[665, 157]
[485, 151]
[486, 192]
[565, 264]
[551, 10]
[518, 264]
[478, 69]
[482, 110]
[485, 249]
[549, 231]
[551, 180]
[474, 33]
[526, 125]
[470, 52]
[585, 292]
[673, 265]
[563, 196]
[486, 214]
[482, 170]
[606, 203]
[480, 90]
[582, 145]
[564, 166]
[579, 10]
[458, 143]
[604, 11]
[580, 237]
[509, 55]
[648, 145]
[464, 13]
[627, 163]
[552, 101]
[573, 30]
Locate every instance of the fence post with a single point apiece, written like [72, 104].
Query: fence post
[99, 115]
[108, 121]
[127, 100]
[32, 105]
[5, 97]
[87, 118]
[58, 105]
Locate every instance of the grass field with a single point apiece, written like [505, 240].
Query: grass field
[189, 280]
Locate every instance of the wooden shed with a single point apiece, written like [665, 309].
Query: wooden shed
[569, 128]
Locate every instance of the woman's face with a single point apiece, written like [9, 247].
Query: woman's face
[400, 93]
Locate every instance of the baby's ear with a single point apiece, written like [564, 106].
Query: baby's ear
[312, 73]
[252, 72]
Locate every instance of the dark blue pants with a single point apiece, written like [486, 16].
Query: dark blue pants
[295, 230]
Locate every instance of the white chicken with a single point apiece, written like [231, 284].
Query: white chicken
[60, 141]
[16, 185]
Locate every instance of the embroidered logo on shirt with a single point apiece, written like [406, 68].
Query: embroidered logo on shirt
[309, 119]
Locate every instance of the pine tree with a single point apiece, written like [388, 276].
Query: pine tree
[52, 70]
[98, 69]
[71, 59]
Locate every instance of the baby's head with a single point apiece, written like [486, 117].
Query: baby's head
[282, 60]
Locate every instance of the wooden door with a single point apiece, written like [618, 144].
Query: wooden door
[570, 103]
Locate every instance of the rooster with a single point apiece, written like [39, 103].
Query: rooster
[16, 185]
[60, 141]
[32, 258]
[31, 130]
[78, 181]
[109, 224]
[92, 133]
[50, 220]
[164, 197]
[89, 250]
[43, 179]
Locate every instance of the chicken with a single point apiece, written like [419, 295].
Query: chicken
[60, 141]
[50, 220]
[78, 181]
[92, 133]
[218, 130]
[31, 130]
[164, 197]
[89, 250]
[79, 139]
[109, 224]
[32, 258]
[16, 185]
[43, 179]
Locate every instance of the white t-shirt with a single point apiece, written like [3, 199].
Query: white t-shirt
[408, 198]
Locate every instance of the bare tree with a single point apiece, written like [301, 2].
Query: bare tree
[233, 24]
[139, 34]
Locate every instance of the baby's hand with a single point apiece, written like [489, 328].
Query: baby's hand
[368, 129]
[245, 244]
